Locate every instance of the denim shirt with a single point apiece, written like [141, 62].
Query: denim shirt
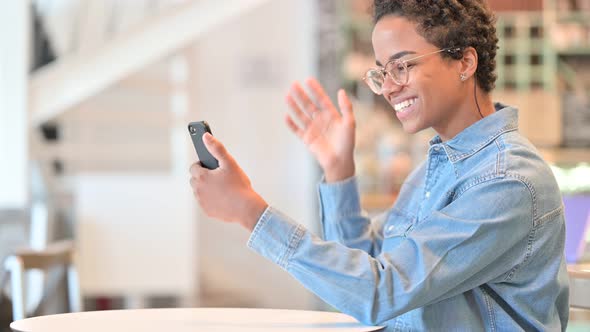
[474, 241]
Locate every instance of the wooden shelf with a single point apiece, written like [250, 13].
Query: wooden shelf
[377, 201]
[580, 271]
[566, 155]
[583, 50]
[574, 17]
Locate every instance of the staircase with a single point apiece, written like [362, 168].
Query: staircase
[59, 86]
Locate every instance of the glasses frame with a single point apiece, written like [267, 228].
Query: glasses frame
[382, 71]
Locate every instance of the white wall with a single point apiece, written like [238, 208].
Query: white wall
[14, 61]
[135, 235]
[245, 69]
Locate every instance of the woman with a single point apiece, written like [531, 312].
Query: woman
[475, 239]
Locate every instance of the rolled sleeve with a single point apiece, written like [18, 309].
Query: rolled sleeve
[275, 237]
[339, 199]
[343, 219]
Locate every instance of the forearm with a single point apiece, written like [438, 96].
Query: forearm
[343, 219]
[415, 272]
[347, 279]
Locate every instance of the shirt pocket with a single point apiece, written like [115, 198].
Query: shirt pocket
[398, 224]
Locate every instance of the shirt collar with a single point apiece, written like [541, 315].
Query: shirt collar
[478, 135]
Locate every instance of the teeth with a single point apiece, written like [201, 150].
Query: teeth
[404, 104]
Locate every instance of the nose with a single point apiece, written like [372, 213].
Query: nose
[389, 87]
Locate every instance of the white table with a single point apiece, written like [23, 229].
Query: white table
[197, 319]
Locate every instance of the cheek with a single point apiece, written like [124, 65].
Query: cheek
[438, 95]
[444, 88]
[427, 87]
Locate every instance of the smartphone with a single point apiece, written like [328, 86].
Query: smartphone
[196, 130]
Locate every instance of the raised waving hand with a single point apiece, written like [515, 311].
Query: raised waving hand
[327, 132]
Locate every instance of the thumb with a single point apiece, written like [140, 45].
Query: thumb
[216, 148]
[345, 104]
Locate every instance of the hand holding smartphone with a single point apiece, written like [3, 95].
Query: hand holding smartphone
[197, 130]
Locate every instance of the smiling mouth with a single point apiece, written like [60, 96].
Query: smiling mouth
[401, 107]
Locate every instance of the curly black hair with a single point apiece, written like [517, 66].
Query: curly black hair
[451, 23]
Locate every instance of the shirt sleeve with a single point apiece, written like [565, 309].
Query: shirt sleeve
[343, 219]
[476, 238]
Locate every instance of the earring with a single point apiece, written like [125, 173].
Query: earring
[463, 77]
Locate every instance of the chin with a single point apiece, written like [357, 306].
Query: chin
[412, 128]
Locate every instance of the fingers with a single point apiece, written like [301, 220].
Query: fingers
[302, 99]
[217, 149]
[196, 169]
[197, 173]
[193, 183]
[320, 95]
[345, 104]
[304, 109]
[299, 114]
[293, 126]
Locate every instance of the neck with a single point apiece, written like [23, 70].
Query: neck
[467, 113]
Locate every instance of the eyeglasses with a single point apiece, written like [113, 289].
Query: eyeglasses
[398, 71]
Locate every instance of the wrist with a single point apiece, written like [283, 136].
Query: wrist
[342, 172]
[253, 210]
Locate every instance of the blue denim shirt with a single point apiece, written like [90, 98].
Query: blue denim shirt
[474, 241]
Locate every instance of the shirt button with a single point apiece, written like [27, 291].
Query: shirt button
[390, 228]
[427, 195]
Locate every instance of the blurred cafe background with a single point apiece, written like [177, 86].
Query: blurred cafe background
[96, 211]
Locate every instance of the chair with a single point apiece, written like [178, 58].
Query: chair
[54, 255]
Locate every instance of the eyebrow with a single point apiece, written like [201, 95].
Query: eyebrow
[395, 56]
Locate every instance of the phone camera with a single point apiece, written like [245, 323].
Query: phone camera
[192, 129]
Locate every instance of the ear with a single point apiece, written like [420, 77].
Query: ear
[468, 62]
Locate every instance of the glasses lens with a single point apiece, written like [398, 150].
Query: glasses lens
[398, 72]
[374, 80]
